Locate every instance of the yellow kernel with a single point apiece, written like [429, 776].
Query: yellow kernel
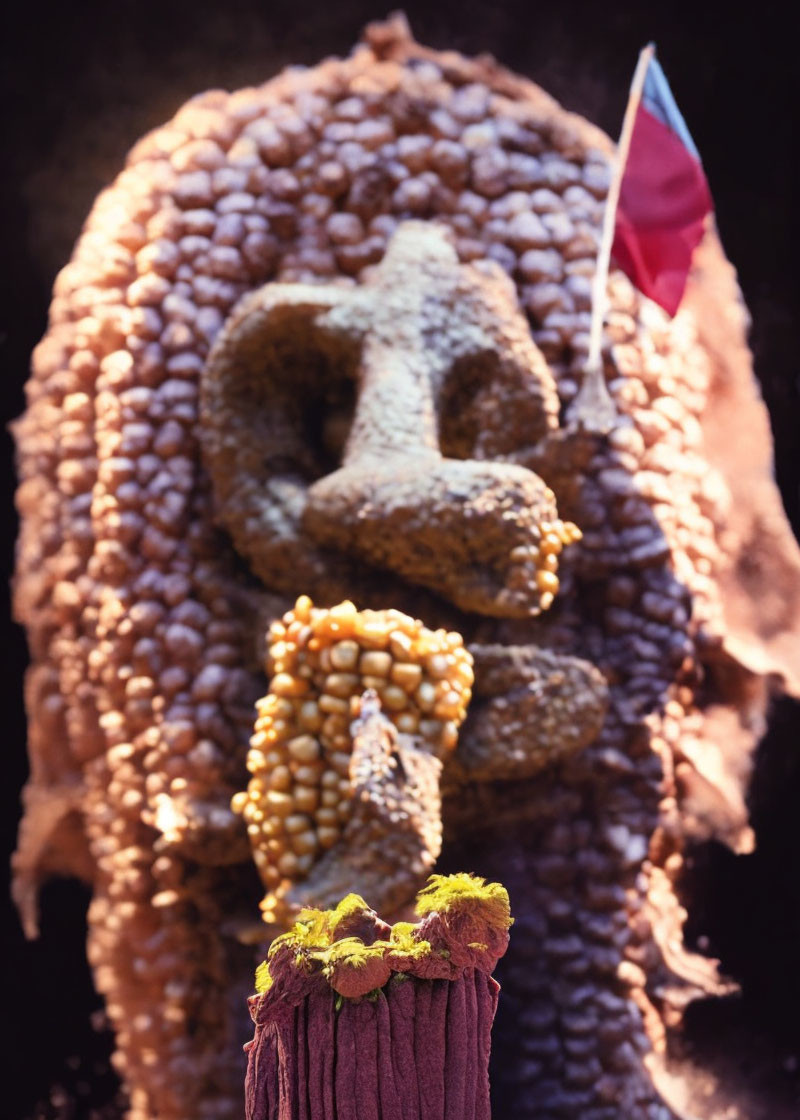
[405, 674]
[280, 778]
[285, 685]
[304, 843]
[329, 780]
[303, 748]
[330, 797]
[375, 663]
[302, 608]
[279, 803]
[344, 655]
[338, 622]
[326, 817]
[327, 836]
[306, 798]
[340, 761]
[333, 705]
[407, 722]
[546, 581]
[400, 644]
[310, 716]
[426, 696]
[546, 600]
[465, 673]
[296, 822]
[287, 864]
[308, 774]
[448, 707]
[550, 543]
[371, 631]
[297, 632]
[368, 681]
[256, 760]
[438, 664]
[345, 609]
[238, 802]
[550, 562]
[449, 735]
[393, 698]
[341, 684]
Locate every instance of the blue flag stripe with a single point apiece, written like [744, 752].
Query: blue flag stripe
[657, 99]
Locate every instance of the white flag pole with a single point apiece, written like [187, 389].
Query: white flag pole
[593, 407]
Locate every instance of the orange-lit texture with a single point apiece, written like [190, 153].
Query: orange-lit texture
[321, 661]
[604, 733]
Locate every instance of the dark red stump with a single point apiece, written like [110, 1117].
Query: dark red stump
[380, 1028]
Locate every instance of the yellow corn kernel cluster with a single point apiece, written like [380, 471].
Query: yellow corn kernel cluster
[320, 662]
[555, 535]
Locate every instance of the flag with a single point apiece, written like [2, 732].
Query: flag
[664, 197]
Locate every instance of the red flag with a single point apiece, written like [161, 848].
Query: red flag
[664, 197]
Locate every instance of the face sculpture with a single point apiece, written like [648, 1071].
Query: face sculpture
[384, 422]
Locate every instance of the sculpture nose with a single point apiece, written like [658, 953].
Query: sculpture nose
[444, 363]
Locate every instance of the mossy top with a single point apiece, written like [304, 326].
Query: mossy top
[463, 925]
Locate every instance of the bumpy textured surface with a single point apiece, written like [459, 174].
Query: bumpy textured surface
[312, 778]
[144, 625]
[420, 324]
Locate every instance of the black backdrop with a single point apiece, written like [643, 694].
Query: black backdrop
[80, 83]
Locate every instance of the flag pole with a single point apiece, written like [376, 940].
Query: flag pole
[593, 407]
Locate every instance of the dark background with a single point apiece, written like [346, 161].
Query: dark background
[81, 82]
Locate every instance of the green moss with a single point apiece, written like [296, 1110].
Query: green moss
[313, 944]
[451, 893]
[350, 951]
[263, 978]
[402, 940]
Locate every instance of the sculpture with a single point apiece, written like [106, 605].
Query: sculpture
[144, 623]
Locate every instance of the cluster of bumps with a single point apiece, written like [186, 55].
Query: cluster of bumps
[321, 661]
